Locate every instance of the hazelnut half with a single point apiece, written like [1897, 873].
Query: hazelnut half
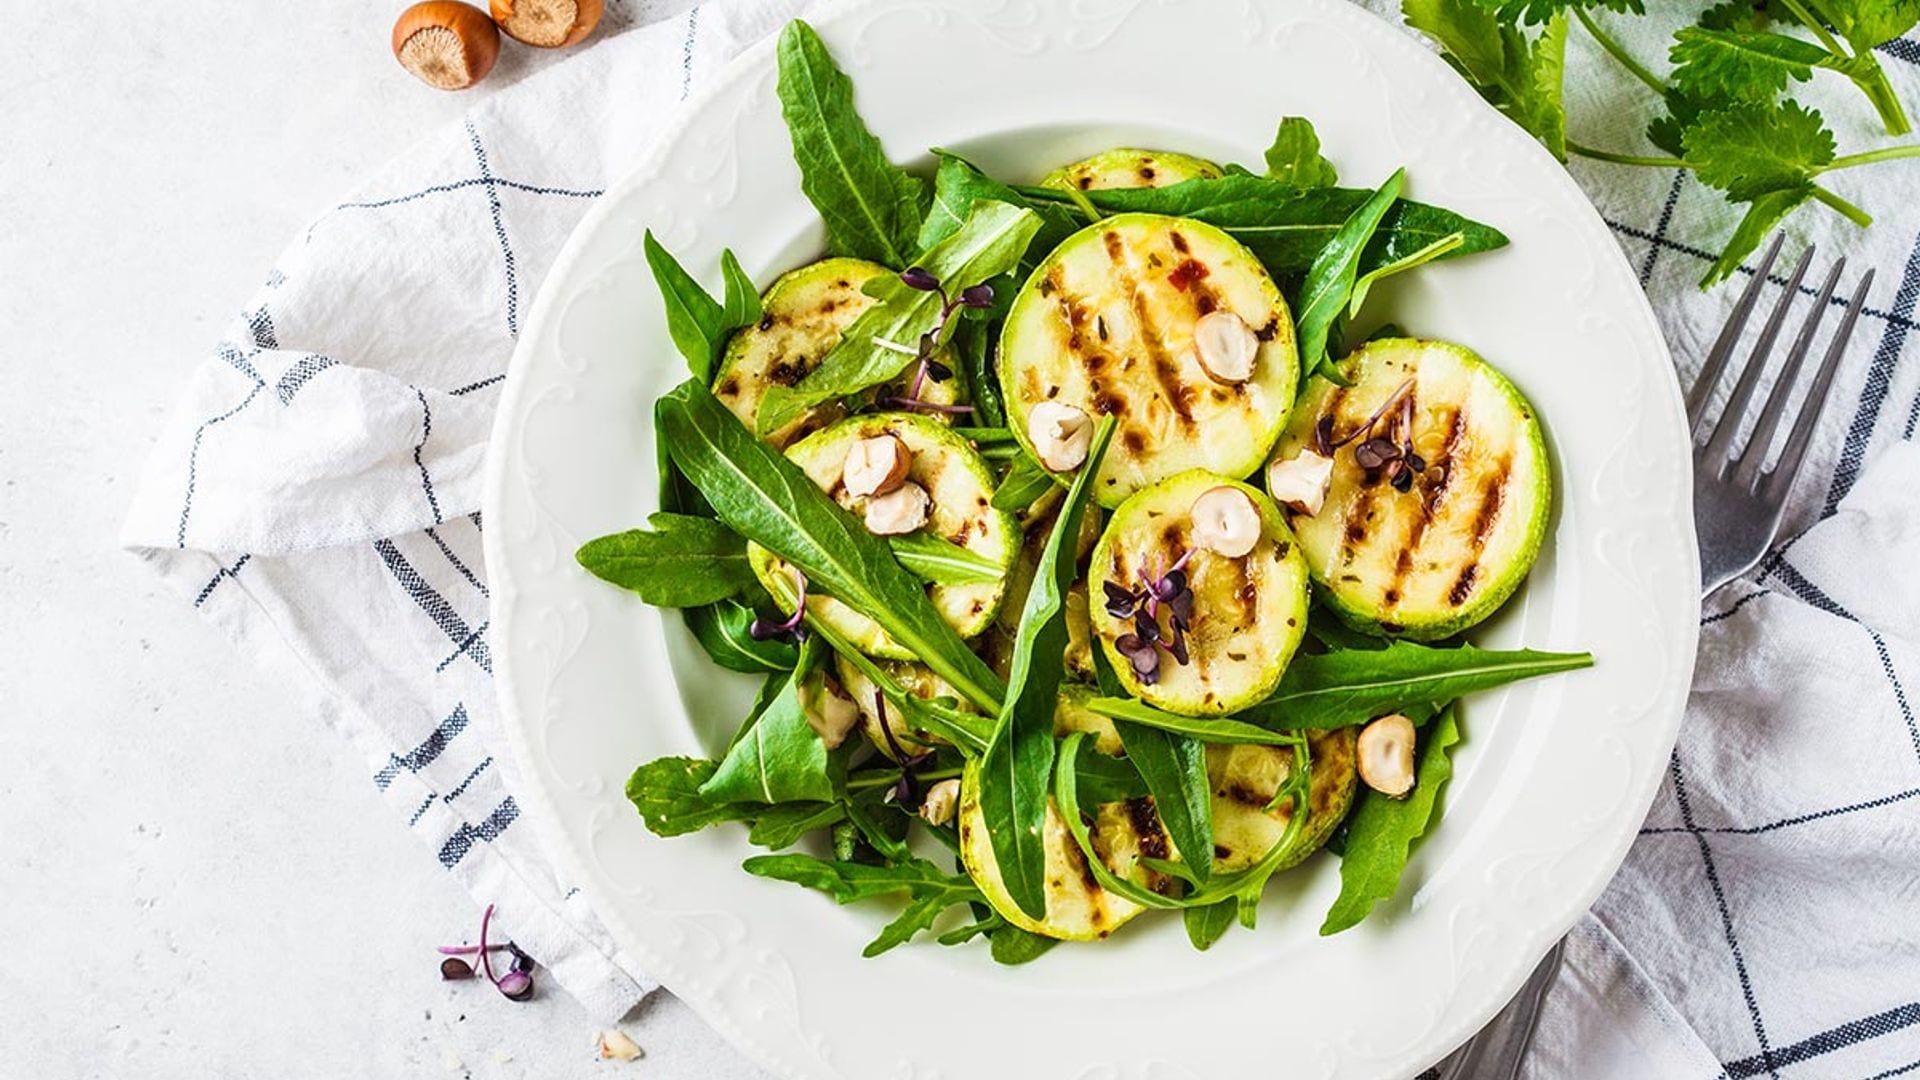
[899, 511]
[548, 24]
[1301, 482]
[1225, 346]
[446, 44]
[831, 713]
[875, 466]
[941, 799]
[1225, 521]
[615, 1046]
[1061, 435]
[1385, 755]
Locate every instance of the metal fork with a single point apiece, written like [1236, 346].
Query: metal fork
[1739, 496]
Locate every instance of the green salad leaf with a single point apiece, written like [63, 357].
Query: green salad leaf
[1381, 832]
[1339, 689]
[1206, 925]
[941, 561]
[1026, 480]
[666, 791]
[870, 351]
[743, 300]
[1013, 946]
[1018, 761]
[1329, 283]
[682, 562]
[973, 347]
[780, 758]
[929, 890]
[1412, 260]
[724, 630]
[768, 500]
[1213, 729]
[782, 826]
[1294, 158]
[697, 323]
[1175, 769]
[872, 207]
[959, 183]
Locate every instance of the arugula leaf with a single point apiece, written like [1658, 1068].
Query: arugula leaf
[1107, 779]
[1741, 65]
[1521, 78]
[966, 730]
[943, 562]
[871, 206]
[959, 183]
[1750, 149]
[666, 791]
[1011, 945]
[1339, 689]
[1329, 282]
[1294, 158]
[1019, 757]
[1204, 728]
[684, 562]
[768, 500]
[780, 758]
[1175, 769]
[743, 300]
[1412, 260]
[929, 890]
[973, 348]
[782, 826]
[1381, 831]
[989, 244]
[1206, 925]
[724, 631]
[1284, 226]
[1763, 214]
[1026, 480]
[696, 321]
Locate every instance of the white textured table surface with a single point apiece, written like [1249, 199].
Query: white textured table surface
[173, 908]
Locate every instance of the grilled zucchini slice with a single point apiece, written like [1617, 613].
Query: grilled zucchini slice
[1249, 613]
[1078, 909]
[1243, 780]
[1434, 560]
[917, 679]
[1105, 323]
[802, 316]
[1126, 167]
[961, 488]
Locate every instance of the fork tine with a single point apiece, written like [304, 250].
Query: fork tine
[1719, 449]
[1716, 362]
[1774, 412]
[1777, 480]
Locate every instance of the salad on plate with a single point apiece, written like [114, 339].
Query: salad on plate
[1099, 548]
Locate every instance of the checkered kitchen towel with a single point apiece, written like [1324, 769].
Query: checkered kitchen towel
[316, 494]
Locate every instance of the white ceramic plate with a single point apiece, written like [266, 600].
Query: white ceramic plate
[1554, 776]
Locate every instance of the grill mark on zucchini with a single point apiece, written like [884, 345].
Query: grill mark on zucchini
[1165, 371]
[1144, 815]
[1493, 496]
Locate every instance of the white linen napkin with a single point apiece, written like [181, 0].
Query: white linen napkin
[316, 494]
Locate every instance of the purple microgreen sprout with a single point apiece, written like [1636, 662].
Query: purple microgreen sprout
[907, 792]
[455, 968]
[1391, 450]
[516, 984]
[1162, 584]
[762, 630]
[973, 296]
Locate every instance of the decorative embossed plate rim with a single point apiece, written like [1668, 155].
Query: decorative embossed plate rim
[1553, 779]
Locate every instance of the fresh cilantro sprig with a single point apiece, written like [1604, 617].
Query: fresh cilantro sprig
[1723, 116]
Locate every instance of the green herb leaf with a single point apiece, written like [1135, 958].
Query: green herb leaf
[666, 791]
[780, 758]
[1212, 729]
[930, 891]
[871, 206]
[989, 244]
[1107, 779]
[973, 348]
[743, 300]
[683, 562]
[1867, 23]
[1750, 149]
[959, 183]
[1026, 480]
[1206, 925]
[1338, 689]
[1294, 158]
[1741, 65]
[1381, 832]
[1011, 945]
[1329, 282]
[1175, 769]
[966, 730]
[1285, 227]
[1436, 250]
[768, 500]
[724, 631]
[782, 826]
[1522, 78]
[1534, 12]
[696, 321]
[1019, 759]
[1764, 214]
[940, 561]
[1738, 15]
